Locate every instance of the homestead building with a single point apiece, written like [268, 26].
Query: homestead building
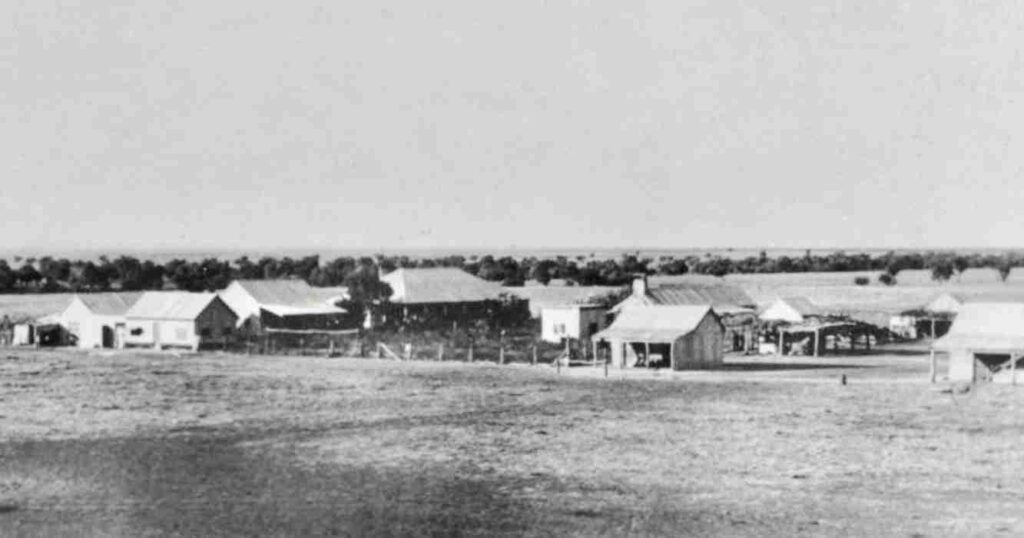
[678, 337]
[178, 319]
[439, 296]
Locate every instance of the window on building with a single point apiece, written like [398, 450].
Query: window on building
[136, 331]
[559, 328]
[205, 332]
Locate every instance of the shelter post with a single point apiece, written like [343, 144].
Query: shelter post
[817, 340]
[931, 367]
[933, 327]
[1013, 369]
[781, 340]
[593, 343]
[647, 354]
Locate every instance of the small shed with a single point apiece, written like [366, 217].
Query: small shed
[736, 310]
[162, 319]
[97, 320]
[985, 342]
[680, 337]
[576, 322]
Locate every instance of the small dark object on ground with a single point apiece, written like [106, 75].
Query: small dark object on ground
[8, 508]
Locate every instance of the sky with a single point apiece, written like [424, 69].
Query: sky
[451, 124]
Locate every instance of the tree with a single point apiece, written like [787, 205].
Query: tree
[1004, 267]
[7, 276]
[887, 279]
[942, 270]
[365, 287]
[960, 264]
[28, 275]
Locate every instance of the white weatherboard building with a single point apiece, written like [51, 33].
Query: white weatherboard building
[576, 322]
[97, 320]
[178, 319]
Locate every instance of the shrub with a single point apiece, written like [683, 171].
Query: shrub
[862, 281]
[887, 279]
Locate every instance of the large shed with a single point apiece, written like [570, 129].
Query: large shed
[680, 337]
[985, 341]
[287, 304]
[97, 320]
[161, 319]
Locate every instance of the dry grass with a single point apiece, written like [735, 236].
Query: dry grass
[140, 445]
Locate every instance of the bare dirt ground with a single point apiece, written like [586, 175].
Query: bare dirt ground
[219, 445]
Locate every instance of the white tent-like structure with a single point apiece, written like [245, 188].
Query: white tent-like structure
[985, 339]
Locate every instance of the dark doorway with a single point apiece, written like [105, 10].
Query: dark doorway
[108, 336]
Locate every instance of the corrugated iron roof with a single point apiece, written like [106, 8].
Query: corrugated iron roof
[180, 305]
[295, 293]
[439, 285]
[655, 323]
[109, 304]
[986, 326]
[541, 297]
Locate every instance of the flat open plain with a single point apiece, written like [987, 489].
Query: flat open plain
[122, 444]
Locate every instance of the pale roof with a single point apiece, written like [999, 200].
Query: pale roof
[109, 304]
[541, 297]
[655, 323]
[294, 297]
[996, 327]
[439, 285]
[180, 305]
[803, 305]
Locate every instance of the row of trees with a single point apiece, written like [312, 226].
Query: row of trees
[48, 274]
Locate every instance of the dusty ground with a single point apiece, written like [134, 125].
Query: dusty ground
[143, 445]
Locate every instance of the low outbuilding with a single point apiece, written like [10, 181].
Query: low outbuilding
[678, 337]
[575, 322]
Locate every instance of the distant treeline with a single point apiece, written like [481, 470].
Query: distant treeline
[47, 274]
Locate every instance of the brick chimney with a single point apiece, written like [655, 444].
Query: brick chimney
[640, 284]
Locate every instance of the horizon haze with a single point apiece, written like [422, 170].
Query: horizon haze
[235, 125]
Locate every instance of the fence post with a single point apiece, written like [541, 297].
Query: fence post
[440, 351]
[471, 352]
[408, 351]
[535, 355]
[330, 348]
[501, 354]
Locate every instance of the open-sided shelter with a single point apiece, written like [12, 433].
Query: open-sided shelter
[791, 310]
[680, 337]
